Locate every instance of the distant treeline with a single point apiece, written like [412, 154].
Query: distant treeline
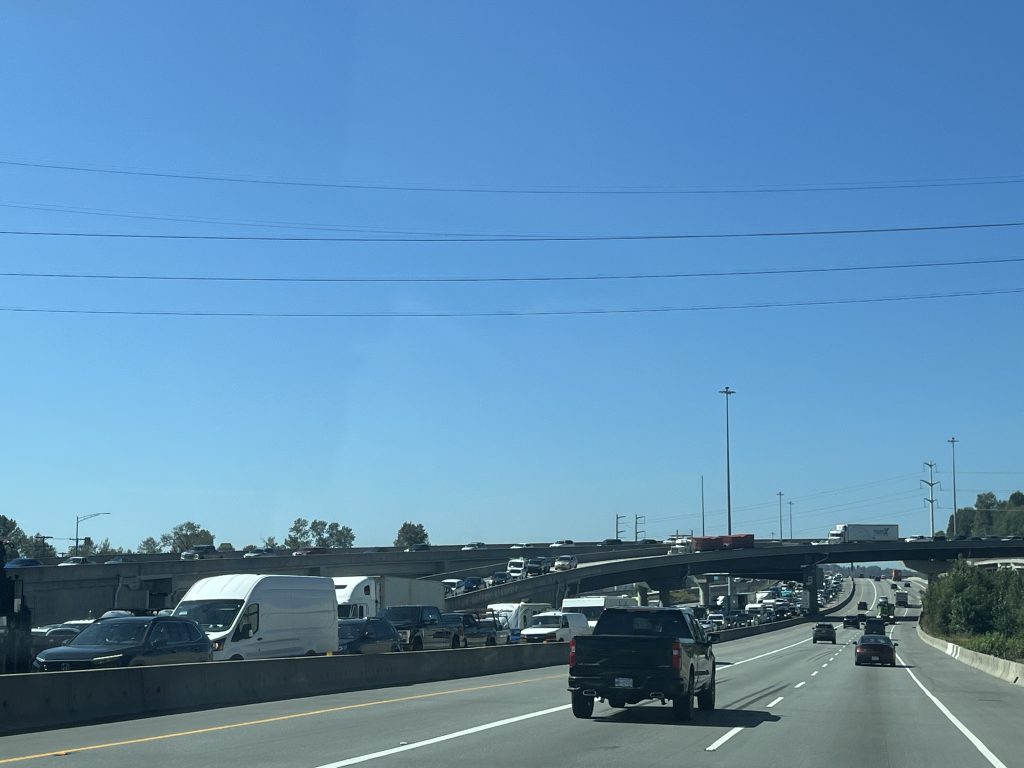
[977, 608]
[990, 516]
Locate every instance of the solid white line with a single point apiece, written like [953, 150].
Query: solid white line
[446, 737]
[985, 751]
[755, 658]
[814, 673]
[875, 598]
[800, 685]
[725, 738]
[776, 701]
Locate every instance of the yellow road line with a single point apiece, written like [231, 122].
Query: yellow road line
[267, 720]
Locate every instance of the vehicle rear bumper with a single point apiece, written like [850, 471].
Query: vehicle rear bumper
[642, 684]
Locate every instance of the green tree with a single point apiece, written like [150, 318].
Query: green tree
[340, 536]
[105, 548]
[298, 535]
[411, 533]
[150, 546]
[184, 536]
[271, 542]
[38, 547]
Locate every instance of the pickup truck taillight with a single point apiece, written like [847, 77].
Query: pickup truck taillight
[859, 649]
[572, 652]
[677, 655]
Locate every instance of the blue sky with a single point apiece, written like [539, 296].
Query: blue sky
[505, 428]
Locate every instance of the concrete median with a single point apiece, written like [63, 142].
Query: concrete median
[1010, 671]
[63, 699]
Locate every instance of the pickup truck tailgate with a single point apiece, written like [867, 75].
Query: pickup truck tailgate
[597, 653]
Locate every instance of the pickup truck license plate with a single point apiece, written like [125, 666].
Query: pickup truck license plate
[874, 658]
[623, 682]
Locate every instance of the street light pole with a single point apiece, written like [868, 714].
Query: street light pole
[779, 494]
[953, 441]
[790, 520]
[81, 518]
[702, 533]
[728, 479]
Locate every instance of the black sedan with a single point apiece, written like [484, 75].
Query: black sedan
[473, 583]
[851, 621]
[367, 636]
[824, 632]
[129, 641]
[875, 649]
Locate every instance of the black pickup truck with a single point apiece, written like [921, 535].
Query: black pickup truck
[643, 653]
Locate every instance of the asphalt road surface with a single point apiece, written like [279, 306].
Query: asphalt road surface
[783, 701]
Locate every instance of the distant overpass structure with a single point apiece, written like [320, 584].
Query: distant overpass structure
[61, 593]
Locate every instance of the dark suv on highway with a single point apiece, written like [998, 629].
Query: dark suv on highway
[826, 633]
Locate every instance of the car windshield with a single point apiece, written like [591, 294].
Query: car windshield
[115, 634]
[210, 615]
[546, 621]
[402, 614]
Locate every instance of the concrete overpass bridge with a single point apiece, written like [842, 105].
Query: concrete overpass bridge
[58, 594]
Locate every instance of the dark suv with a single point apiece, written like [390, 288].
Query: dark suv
[851, 621]
[824, 633]
[129, 641]
[200, 552]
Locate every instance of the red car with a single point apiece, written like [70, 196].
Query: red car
[875, 649]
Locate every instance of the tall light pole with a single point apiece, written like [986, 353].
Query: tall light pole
[790, 520]
[702, 533]
[953, 441]
[931, 482]
[728, 479]
[79, 519]
[779, 494]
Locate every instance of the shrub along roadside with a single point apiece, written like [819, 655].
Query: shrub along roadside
[979, 609]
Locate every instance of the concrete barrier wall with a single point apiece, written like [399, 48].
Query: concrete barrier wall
[1004, 669]
[63, 699]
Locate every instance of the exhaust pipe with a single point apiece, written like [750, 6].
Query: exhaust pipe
[590, 693]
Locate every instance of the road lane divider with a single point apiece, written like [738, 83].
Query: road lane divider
[724, 739]
[446, 737]
[775, 701]
[800, 684]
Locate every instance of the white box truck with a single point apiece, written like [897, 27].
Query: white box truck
[361, 597]
[257, 616]
[592, 606]
[844, 533]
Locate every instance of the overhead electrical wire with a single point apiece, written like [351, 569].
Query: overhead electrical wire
[461, 238]
[509, 278]
[518, 312]
[528, 190]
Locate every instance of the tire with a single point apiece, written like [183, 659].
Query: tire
[455, 643]
[892, 663]
[236, 657]
[490, 641]
[706, 698]
[417, 644]
[856, 663]
[833, 642]
[582, 706]
[617, 701]
[682, 705]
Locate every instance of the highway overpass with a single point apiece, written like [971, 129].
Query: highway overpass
[59, 593]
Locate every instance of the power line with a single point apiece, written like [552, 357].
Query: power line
[516, 313]
[526, 190]
[485, 238]
[508, 279]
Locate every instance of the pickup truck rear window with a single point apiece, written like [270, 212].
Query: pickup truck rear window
[641, 623]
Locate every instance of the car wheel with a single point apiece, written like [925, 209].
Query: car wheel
[682, 705]
[706, 698]
[490, 641]
[617, 701]
[856, 663]
[892, 663]
[815, 642]
[455, 643]
[417, 643]
[833, 642]
[582, 706]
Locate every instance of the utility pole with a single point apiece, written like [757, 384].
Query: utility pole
[702, 533]
[931, 482]
[618, 525]
[728, 478]
[637, 530]
[790, 520]
[779, 494]
[953, 441]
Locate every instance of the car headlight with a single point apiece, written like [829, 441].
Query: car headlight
[107, 659]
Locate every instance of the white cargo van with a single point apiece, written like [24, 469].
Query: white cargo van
[515, 617]
[592, 606]
[254, 616]
[555, 627]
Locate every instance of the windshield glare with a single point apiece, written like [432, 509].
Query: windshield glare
[546, 621]
[402, 615]
[211, 615]
[116, 634]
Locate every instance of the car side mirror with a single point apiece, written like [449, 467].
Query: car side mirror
[714, 637]
[245, 631]
[895, 644]
[66, 642]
